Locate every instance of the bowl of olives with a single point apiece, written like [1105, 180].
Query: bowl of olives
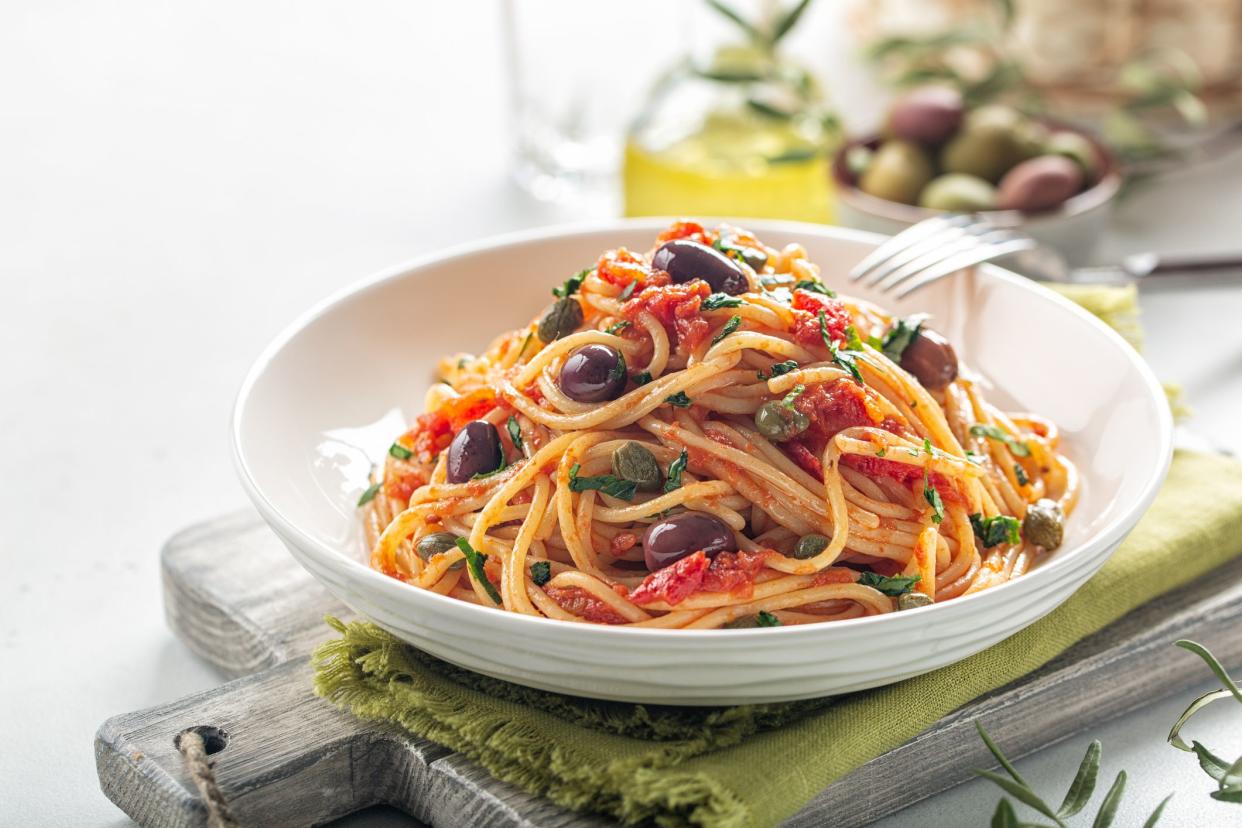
[933, 154]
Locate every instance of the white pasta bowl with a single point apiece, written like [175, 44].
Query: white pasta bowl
[327, 397]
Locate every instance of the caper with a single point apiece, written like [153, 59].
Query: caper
[1044, 524]
[780, 422]
[898, 172]
[914, 600]
[562, 319]
[808, 546]
[958, 193]
[435, 544]
[634, 461]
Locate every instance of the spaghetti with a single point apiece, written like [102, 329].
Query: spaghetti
[707, 436]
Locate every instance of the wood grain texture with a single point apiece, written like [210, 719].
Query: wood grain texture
[236, 598]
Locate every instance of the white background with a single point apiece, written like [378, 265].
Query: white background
[178, 180]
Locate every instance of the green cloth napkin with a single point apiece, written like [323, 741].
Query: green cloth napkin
[754, 765]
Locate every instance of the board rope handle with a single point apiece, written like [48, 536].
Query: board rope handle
[193, 749]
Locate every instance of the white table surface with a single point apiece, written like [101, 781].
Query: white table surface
[177, 180]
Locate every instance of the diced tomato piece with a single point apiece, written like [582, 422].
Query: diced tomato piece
[472, 406]
[803, 456]
[431, 434]
[584, 605]
[677, 307]
[807, 306]
[685, 230]
[400, 488]
[903, 473]
[833, 575]
[622, 542]
[734, 572]
[674, 583]
[620, 267]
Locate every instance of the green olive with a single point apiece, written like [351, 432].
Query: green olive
[1044, 524]
[1076, 148]
[958, 193]
[809, 546]
[914, 600]
[1031, 138]
[779, 422]
[435, 544]
[562, 319]
[635, 462]
[898, 172]
[985, 150]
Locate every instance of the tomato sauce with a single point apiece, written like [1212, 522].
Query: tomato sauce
[686, 230]
[674, 583]
[806, 306]
[734, 572]
[584, 605]
[678, 309]
[903, 473]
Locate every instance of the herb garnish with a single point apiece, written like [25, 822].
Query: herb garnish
[642, 379]
[767, 619]
[775, 281]
[674, 471]
[515, 433]
[571, 284]
[845, 359]
[932, 496]
[996, 530]
[369, 495]
[729, 327]
[400, 452]
[679, 399]
[1019, 448]
[1020, 474]
[619, 370]
[629, 290]
[793, 394]
[540, 572]
[730, 250]
[608, 484]
[720, 300]
[893, 585]
[461, 362]
[815, 287]
[883, 451]
[901, 335]
[779, 369]
[474, 560]
[525, 342]
[618, 327]
[852, 341]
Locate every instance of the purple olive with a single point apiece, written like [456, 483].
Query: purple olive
[927, 116]
[475, 450]
[684, 260]
[668, 541]
[1039, 184]
[931, 358]
[593, 373]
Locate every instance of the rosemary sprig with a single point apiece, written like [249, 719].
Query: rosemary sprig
[1228, 775]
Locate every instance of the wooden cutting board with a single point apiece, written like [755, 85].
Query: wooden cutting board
[235, 596]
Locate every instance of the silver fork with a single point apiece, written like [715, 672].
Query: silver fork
[933, 249]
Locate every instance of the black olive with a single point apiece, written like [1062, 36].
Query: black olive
[668, 541]
[931, 359]
[683, 260]
[593, 373]
[475, 450]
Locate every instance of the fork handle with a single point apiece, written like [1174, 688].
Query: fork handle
[1163, 264]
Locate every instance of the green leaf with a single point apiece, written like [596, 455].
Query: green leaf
[932, 496]
[742, 23]
[1155, 815]
[1019, 448]
[1108, 808]
[1000, 757]
[793, 395]
[729, 327]
[1019, 474]
[845, 359]
[903, 332]
[1232, 778]
[1213, 665]
[540, 572]
[571, 284]
[778, 369]
[767, 619]
[400, 452]
[608, 484]
[892, 585]
[996, 530]
[474, 561]
[641, 379]
[515, 433]
[1227, 796]
[618, 327]
[788, 21]
[720, 300]
[1004, 817]
[852, 341]
[1212, 764]
[1174, 737]
[680, 400]
[1083, 786]
[369, 495]
[525, 342]
[629, 290]
[1018, 791]
[674, 471]
[815, 287]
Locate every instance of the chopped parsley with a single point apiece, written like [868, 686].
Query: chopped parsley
[540, 572]
[852, 340]
[608, 484]
[680, 400]
[845, 359]
[618, 327]
[1019, 448]
[883, 451]
[815, 287]
[461, 362]
[729, 327]
[932, 496]
[767, 619]
[484, 475]
[890, 585]
[1020, 474]
[720, 300]
[730, 250]
[474, 560]
[793, 394]
[779, 369]
[571, 284]
[674, 471]
[642, 379]
[619, 370]
[525, 342]
[996, 530]
[515, 433]
[369, 495]
[629, 290]
[900, 336]
[400, 452]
